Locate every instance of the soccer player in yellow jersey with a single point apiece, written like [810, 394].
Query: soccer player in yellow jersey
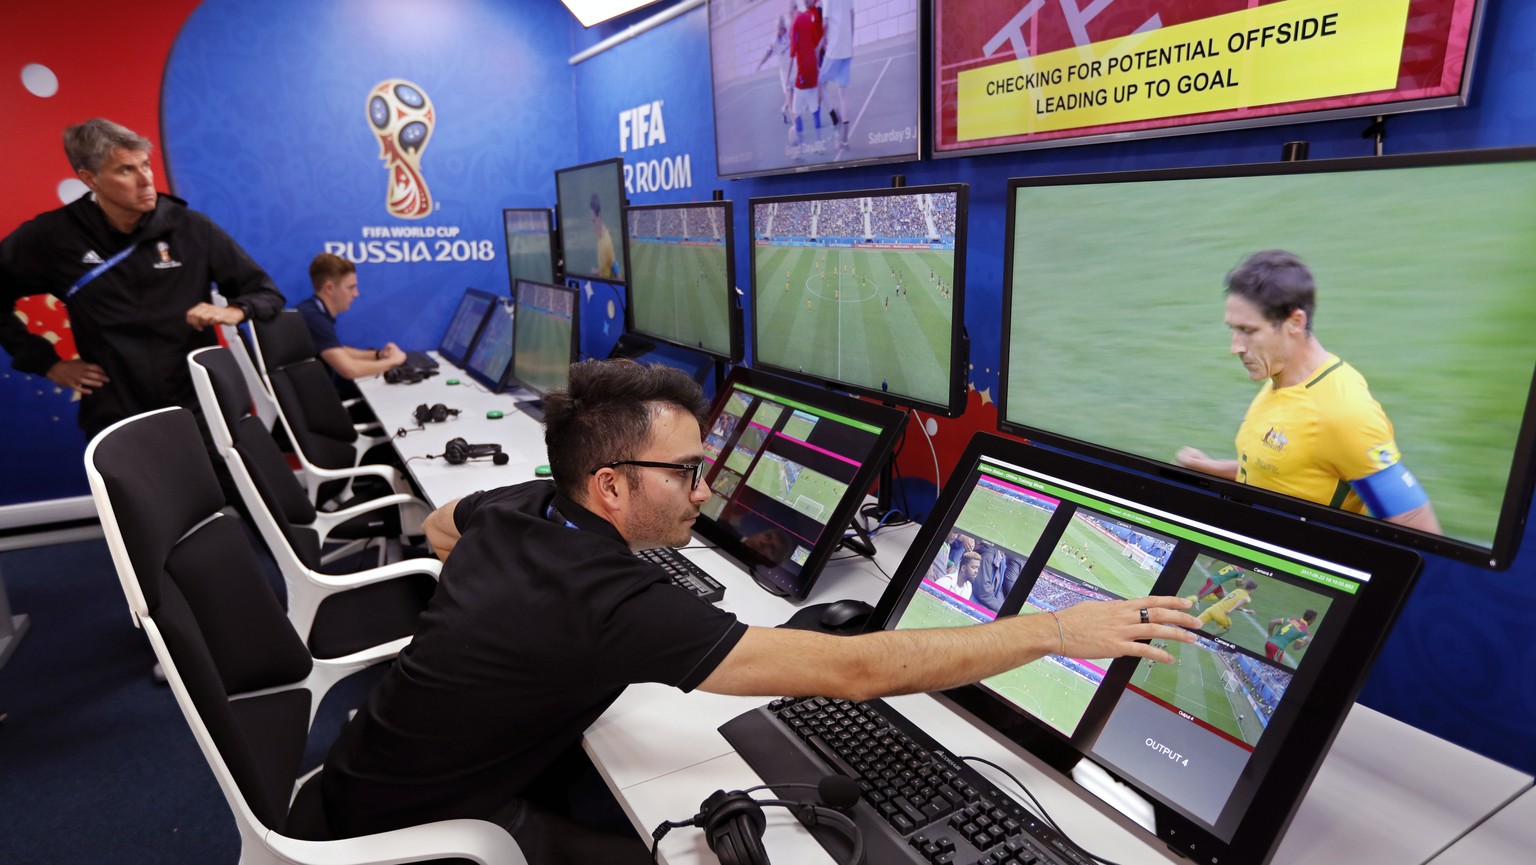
[1215, 584]
[607, 262]
[1221, 611]
[1313, 431]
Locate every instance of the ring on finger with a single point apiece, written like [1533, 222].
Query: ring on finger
[1145, 618]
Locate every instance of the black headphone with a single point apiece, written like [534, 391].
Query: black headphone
[407, 375]
[434, 414]
[733, 822]
[459, 451]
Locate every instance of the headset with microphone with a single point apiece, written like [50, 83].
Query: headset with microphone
[459, 451]
[733, 822]
[437, 413]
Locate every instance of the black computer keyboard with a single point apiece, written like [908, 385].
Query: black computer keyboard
[419, 360]
[920, 803]
[685, 573]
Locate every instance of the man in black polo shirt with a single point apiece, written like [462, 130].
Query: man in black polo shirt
[543, 616]
[335, 282]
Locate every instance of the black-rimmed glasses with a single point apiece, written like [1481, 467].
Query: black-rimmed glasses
[690, 472]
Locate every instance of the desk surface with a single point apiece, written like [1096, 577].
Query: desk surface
[1387, 793]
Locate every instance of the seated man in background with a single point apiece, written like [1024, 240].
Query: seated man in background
[544, 615]
[335, 282]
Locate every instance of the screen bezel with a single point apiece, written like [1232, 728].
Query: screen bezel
[549, 229]
[959, 349]
[891, 423]
[442, 347]
[917, 119]
[1393, 572]
[737, 348]
[622, 253]
[512, 376]
[1517, 493]
[503, 305]
[1458, 99]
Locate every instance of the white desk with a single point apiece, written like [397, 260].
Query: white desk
[1387, 794]
[1508, 836]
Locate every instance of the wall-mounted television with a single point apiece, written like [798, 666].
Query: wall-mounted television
[590, 201]
[864, 291]
[805, 85]
[682, 277]
[1010, 75]
[530, 244]
[1122, 337]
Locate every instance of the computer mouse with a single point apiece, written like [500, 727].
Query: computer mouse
[845, 615]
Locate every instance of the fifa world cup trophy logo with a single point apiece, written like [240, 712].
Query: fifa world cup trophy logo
[401, 115]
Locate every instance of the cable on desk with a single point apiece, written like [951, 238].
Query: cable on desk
[1040, 809]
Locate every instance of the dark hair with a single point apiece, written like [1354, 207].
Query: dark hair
[596, 204]
[87, 145]
[604, 415]
[328, 266]
[1309, 615]
[1250, 585]
[1277, 282]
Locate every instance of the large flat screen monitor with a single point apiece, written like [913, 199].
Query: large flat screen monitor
[464, 327]
[1011, 74]
[1118, 336]
[682, 277]
[545, 338]
[864, 291]
[801, 86]
[1212, 753]
[530, 243]
[590, 201]
[490, 361]
[789, 465]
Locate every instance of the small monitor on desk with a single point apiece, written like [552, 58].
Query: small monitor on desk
[789, 464]
[465, 325]
[490, 361]
[545, 339]
[1217, 748]
[682, 285]
[530, 234]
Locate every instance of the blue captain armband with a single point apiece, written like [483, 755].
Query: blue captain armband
[1392, 491]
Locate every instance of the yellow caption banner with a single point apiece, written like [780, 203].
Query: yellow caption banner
[1268, 55]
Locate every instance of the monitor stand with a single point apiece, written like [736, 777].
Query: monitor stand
[533, 408]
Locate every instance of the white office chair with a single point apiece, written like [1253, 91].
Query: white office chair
[335, 613]
[239, 672]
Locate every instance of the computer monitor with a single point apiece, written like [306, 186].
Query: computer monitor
[682, 277]
[490, 361]
[800, 90]
[789, 465]
[530, 243]
[1210, 754]
[545, 338]
[590, 199]
[464, 327]
[865, 291]
[1116, 337]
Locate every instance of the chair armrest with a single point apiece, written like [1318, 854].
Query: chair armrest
[390, 571]
[388, 473]
[479, 841]
[325, 521]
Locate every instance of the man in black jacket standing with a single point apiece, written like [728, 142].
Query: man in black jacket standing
[134, 268]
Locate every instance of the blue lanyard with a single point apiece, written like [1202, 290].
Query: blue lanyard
[99, 269]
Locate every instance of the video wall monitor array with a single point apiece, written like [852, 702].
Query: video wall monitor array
[530, 243]
[777, 110]
[682, 277]
[1213, 753]
[546, 337]
[1119, 339]
[464, 327]
[590, 201]
[864, 291]
[789, 465]
[490, 361]
[1012, 75]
